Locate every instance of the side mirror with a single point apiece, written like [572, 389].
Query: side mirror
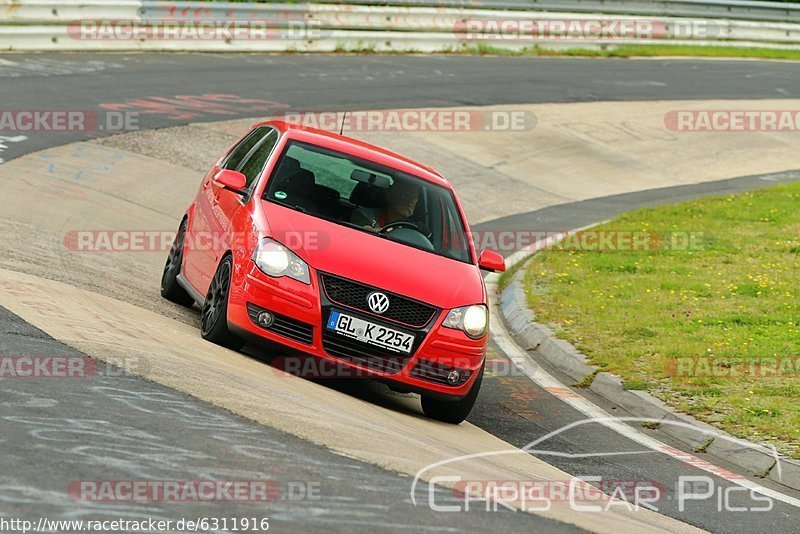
[232, 180]
[490, 260]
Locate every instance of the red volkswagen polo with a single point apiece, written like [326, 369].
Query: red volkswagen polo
[321, 246]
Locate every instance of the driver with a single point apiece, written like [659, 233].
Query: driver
[401, 200]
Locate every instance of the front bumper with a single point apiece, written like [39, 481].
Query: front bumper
[301, 312]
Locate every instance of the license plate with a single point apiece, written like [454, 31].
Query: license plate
[370, 333]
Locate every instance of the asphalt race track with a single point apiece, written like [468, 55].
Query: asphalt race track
[356, 82]
[187, 438]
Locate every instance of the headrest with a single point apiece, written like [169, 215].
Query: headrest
[292, 165]
[288, 167]
[300, 183]
[328, 193]
[368, 195]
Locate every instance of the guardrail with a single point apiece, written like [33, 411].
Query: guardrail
[711, 9]
[730, 9]
[320, 26]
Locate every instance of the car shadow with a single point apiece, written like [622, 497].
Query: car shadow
[366, 389]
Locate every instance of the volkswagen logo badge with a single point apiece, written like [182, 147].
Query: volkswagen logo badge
[378, 302]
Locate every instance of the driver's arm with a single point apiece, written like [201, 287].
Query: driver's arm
[362, 219]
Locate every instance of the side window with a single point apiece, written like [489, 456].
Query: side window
[240, 151]
[254, 164]
[453, 242]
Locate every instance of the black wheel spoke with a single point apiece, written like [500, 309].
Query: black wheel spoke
[217, 292]
[175, 256]
[170, 287]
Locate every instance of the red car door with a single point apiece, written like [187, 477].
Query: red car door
[207, 236]
[231, 221]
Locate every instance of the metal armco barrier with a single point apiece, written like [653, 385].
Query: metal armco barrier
[730, 9]
[54, 11]
[56, 25]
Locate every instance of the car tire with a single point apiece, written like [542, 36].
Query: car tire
[452, 411]
[170, 288]
[214, 317]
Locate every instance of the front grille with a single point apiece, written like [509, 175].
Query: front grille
[354, 295]
[284, 326]
[434, 372]
[353, 351]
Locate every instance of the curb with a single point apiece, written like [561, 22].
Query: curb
[754, 459]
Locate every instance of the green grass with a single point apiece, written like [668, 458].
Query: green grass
[622, 51]
[507, 275]
[626, 51]
[733, 295]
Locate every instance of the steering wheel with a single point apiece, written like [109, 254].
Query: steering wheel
[400, 224]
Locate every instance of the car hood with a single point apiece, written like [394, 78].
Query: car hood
[378, 262]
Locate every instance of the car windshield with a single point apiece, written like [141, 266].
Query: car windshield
[369, 197]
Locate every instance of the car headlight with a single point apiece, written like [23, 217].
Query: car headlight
[473, 320]
[276, 261]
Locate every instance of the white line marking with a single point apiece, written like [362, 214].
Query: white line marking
[4, 139]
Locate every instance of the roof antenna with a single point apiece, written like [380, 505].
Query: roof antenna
[343, 119]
